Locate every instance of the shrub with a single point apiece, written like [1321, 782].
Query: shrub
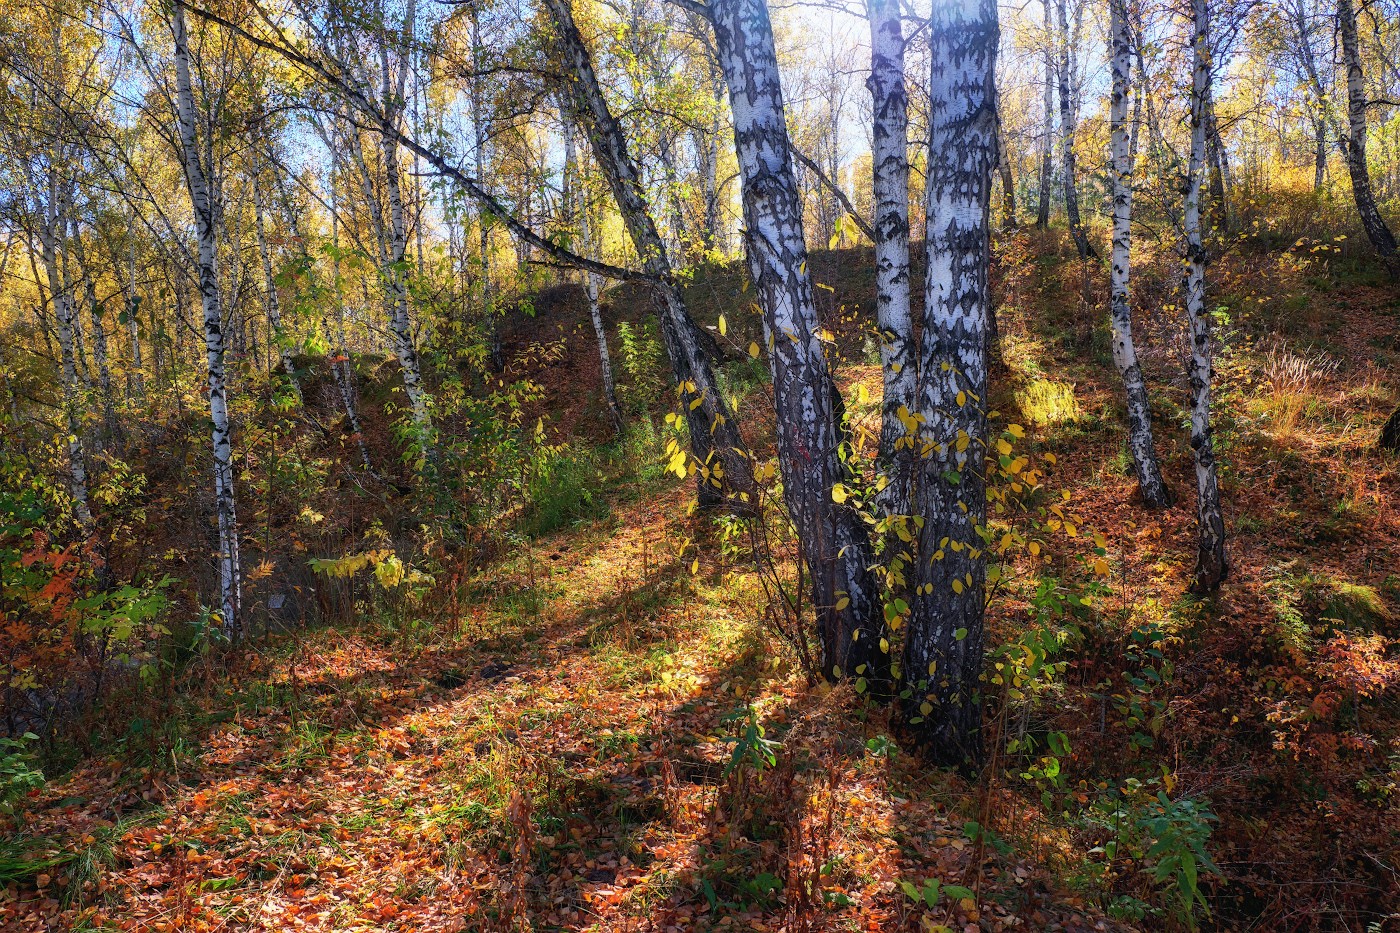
[562, 489]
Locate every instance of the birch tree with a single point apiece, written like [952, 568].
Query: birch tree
[725, 469]
[833, 540]
[1047, 140]
[576, 211]
[1149, 473]
[1067, 130]
[944, 644]
[206, 230]
[1211, 565]
[1377, 231]
[890, 168]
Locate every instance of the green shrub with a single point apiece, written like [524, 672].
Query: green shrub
[18, 771]
[563, 488]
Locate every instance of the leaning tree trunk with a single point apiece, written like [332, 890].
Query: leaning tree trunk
[1154, 490]
[834, 543]
[725, 471]
[1067, 130]
[1211, 566]
[274, 307]
[1376, 230]
[1047, 146]
[943, 648]
[205, 228]
[890, 160]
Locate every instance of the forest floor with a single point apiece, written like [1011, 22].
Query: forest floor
[555, 752]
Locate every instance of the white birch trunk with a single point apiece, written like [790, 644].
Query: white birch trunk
[51, 235]
[890, 169]
[1211, 566]
[1154, 490]
[1047, 142]
[1377, 231]
[834, 542]
[944, 645]
[204, 217]
[573, 211]
[1067, 131]
[726, 472]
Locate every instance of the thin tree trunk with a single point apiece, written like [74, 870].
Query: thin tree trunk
[943, 648]
[725, 471]
[1008, 186]
[274, 308]
[1047, 146]
[1211, 566]
[834, 543]
[52, 232]
[340, 365]
[890, 166]
[99, 333]
[205, 215]
[1376, 230]
[1219, 170]
[1154, 490]
[136, 384]
[574, 212]
[1067, 130]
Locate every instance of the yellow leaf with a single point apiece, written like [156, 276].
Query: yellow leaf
[842, 603]
[838, 493]
[753, 349]
[723, 326]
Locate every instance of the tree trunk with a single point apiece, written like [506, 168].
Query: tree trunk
[205, 216]
[580, 214]
[274, 308]
[136, 382]
[1390, 432]
[834, 543]
[725, 472]
[944, 645]
[1154, 490]
[1067, 130]
[1047, 146]
[52, 231]
[1211, 566]
[1219, 168]
[340, 363]
[1008, 186]
[1376, 230]
[99, 333]
[890, 162]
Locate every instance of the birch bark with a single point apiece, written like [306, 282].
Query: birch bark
[206, 230]
[52, 228]
[1211, 566]
[1067, 131]
[944, 645]
[716, 443]
[1149, 473]
[576, 211]
[1377, 231]
[1047, 144]
[890, 166]
[834, 543]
